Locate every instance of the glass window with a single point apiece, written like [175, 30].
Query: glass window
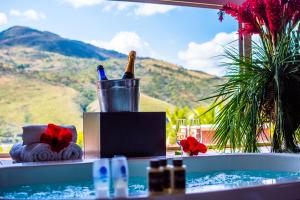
[49, 51]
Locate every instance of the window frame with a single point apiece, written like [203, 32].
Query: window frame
[244, 42]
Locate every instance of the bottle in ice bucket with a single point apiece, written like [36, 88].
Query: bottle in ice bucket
[101, 73]
[129, 69]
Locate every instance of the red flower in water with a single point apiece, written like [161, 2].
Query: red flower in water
[192, 146]
[57, 137]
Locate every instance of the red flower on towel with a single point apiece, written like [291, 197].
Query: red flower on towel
[57, 137]
[192, 146]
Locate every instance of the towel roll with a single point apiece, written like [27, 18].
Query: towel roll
[37, 152]
[32, 133]
[15, 152]
[72, 152]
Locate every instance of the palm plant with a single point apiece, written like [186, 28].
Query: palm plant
[265, 87]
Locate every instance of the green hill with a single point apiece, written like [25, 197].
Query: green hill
[161, 80]
[25, 100]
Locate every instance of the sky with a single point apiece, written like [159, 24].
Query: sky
[190, 37]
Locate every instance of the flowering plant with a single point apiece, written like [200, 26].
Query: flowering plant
[269, 18]
[192, 146]
[264, 86]
[57, 137]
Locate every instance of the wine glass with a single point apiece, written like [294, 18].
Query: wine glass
[181, 132]
[195, 129]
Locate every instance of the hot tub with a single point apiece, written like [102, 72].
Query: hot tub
[225, 176]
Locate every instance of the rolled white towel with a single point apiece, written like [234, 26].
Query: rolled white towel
[71, 152]
[32, 133]
[15, 152]
[37, 152]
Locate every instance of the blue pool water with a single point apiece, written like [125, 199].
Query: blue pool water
[196, 182]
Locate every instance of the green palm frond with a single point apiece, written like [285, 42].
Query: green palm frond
[256, 93]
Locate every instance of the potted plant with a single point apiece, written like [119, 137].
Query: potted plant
[265, 87]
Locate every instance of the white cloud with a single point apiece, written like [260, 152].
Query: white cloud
[14, 12]
[83, 3]
[112, 5]
[140, 9]
[106, 5]
[3, 18]
[152, 9]
[28, 14]
[203, 56]
[34, 15]
[124, 42]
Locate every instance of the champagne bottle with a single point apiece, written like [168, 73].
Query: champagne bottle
[129, 69]
[101, 73]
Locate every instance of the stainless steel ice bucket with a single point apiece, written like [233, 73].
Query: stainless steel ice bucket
[119, 95]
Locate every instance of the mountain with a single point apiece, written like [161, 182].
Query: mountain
[159, 79]
[47, 41]
[39, 85]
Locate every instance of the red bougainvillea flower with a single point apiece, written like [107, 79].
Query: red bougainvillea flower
[258, 7]
[264, 17]
[57, 137]
[192, 146]
[243, 14]
[274, 14]
[249, 29]
[293, 11]
[230, 9]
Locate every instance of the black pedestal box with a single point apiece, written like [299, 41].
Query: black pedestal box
[133, 134]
